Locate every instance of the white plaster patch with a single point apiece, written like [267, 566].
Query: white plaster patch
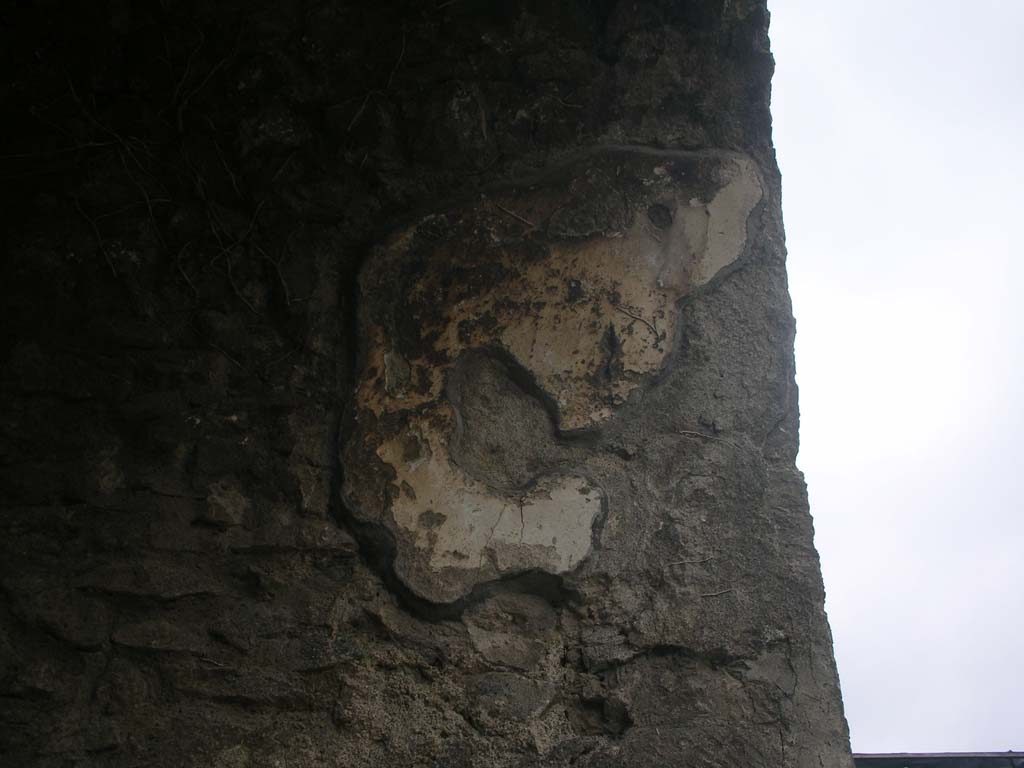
[588, 311]
[463, 532]
[630, 281]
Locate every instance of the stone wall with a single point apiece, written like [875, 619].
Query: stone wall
[401, 384]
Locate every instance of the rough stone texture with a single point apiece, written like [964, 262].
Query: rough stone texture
[401, 384]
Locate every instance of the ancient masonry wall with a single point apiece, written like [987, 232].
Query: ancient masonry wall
[402, 384]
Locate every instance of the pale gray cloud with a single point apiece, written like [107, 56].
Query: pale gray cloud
[898, 126]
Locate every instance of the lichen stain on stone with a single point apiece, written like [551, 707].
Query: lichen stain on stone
[575, 279]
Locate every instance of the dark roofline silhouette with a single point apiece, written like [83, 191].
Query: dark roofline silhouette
[1008, 759]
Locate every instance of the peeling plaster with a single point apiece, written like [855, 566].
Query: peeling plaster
[577, 280]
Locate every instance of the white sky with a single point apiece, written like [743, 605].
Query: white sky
[899, 126]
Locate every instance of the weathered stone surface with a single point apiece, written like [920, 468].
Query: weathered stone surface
[401, 384]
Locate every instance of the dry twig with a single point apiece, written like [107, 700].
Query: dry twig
[513, 214]
[720, 592]
[653, 329]
[181, 269]
[96, 234]
[398, 63]
[693, 562]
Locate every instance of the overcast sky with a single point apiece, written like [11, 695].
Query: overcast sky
[899, 126]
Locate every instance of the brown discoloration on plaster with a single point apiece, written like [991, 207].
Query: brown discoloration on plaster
[568, 284]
